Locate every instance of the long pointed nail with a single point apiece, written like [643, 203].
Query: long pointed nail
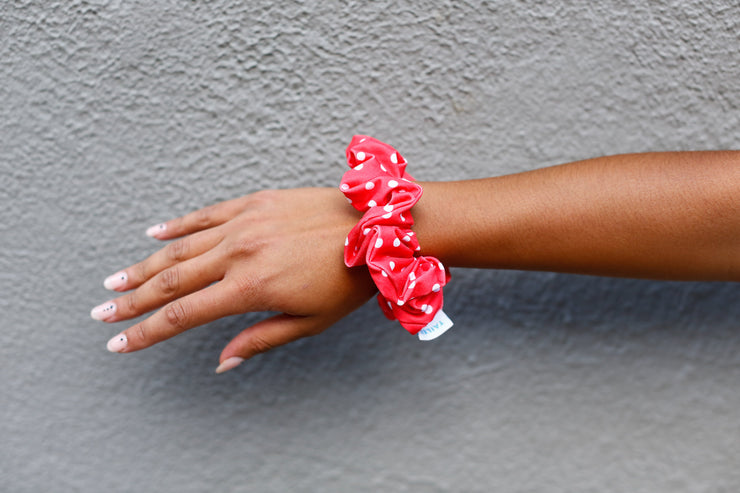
[117, 343]
[229, 364]
[156, 230]
[115, 281]
[104, 311]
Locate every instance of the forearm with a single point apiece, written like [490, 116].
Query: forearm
[654, 215]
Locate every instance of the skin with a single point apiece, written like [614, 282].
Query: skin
[654, 215]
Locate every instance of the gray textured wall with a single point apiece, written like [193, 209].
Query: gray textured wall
[115, 115]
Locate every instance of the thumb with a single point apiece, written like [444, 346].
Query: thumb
[265, 335]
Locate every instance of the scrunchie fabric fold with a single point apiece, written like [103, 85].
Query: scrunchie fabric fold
[409, 284]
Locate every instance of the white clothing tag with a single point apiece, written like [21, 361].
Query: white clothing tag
[438, 326]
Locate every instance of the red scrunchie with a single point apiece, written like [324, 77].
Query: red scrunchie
[410, 286]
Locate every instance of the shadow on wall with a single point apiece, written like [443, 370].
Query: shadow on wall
[494, 311]
[577, 302]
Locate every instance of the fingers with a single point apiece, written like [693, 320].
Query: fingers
[268, 334]
[172, 254]
[202, 219]
[209, 304]
[172, 283]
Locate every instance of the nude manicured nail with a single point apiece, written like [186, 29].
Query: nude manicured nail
[117, 343]
[229, 364]
[104, 311]
[154, 231]
[115, 281]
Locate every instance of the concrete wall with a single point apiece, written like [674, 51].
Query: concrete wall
[118, 114]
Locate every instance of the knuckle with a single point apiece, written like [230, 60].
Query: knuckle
[131, 304]
[248, 287]
[139, 334]
[178, 250]
[242, 246]
[264, 198]
[246, 293]
[169, 281]
[261, 196]
[258, 345]
[177, 315]
[203, 217]
[140, 272]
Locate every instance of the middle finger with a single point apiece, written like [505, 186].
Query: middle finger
[172, 283]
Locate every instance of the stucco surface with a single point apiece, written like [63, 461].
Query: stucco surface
[116, 115]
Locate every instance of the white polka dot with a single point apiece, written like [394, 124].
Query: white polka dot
[418, 248]
[393, 183]
[435, 288]
[379, 243]
[407, 238]
[392, 264]
[361, 156]
[424, 307]
[365, 231]
[411, 233]
[428, 310]
[372, 203]
[412, 276]
[369, 185]
[399, 302]
[346, 241]
[441, 267]
[358, 167]
[349, 200]
[383, 168]
[384, 273]
[402, 218]
[388, 208]
[387, 216]
[396, 242]
[411, 286]
[344, 186]
[394, 158]
[362, 140]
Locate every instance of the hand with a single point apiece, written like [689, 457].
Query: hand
[277, 251]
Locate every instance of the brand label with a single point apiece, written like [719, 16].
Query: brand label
[438, 326]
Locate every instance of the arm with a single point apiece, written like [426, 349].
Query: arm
[658, 215]
[669, 215]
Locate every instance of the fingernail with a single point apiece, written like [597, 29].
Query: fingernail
[155, 230]
[117, 343]
[104, 311]
[117, 280]
[229, 364]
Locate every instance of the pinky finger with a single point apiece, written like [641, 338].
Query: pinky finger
[266, 335]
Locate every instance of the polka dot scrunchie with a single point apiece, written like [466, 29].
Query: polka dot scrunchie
[410, 285]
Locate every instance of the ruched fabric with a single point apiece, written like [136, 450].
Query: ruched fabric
[409, 284]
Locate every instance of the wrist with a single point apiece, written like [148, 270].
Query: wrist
[409, 282]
